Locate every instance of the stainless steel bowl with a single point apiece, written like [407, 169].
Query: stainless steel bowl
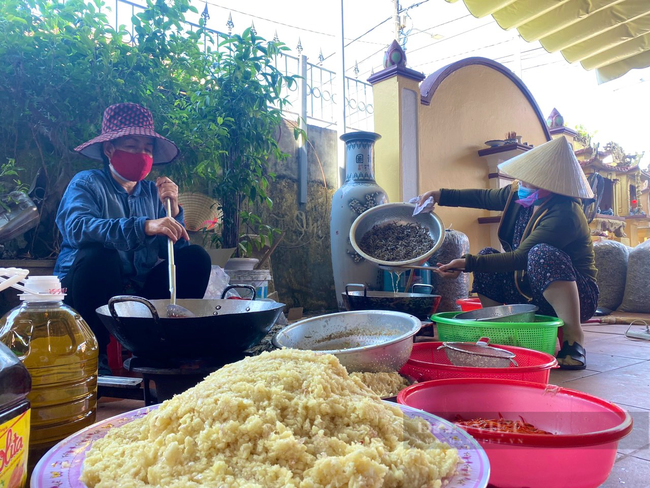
[400, 213]
[502, 313]
[365, 341]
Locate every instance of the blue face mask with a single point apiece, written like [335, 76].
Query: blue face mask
[524, 192]
[528, 197]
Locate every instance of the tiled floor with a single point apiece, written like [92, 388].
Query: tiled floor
[110, 407]
[618, 369]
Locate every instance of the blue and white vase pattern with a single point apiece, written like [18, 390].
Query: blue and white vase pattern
[358, 193]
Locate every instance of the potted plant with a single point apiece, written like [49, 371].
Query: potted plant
[213, 244]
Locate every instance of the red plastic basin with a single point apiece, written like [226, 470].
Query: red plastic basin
[469, 304]
[580, 455]
[428, 363]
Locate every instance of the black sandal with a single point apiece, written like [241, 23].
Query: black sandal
[575, 352]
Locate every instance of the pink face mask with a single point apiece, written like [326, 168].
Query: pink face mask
[132, 166]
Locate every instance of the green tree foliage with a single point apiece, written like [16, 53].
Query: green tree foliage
[247, 85]
[63, 64]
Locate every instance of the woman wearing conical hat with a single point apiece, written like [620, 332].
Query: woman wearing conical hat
[548, 258]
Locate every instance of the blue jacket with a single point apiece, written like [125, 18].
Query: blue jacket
[96, 209]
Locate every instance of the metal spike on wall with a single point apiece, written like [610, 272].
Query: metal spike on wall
[275, 37]
[253, 29]
[356, 69]
[205, 14]
[321, 58]
[230, 24]
[299, 46]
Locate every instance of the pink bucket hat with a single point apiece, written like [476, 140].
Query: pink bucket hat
[129, 119]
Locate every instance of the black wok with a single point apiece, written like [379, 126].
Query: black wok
[220, 328]
[422, 305]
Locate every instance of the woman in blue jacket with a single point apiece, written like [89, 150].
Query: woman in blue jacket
[115, 227]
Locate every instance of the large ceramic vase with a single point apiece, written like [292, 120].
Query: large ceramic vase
[358, 193]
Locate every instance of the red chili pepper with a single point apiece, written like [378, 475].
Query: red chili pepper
[501, 425]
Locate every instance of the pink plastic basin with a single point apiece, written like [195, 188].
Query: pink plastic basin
[428, 363]
[469, 304]
[580, 455]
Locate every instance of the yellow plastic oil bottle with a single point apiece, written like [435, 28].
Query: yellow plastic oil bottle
[60, 352]
[14, 419]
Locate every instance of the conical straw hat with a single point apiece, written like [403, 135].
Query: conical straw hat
[198, 209]
[551, 166]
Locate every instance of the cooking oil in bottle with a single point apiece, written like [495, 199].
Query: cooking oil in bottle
[60, 352]
[14, 420]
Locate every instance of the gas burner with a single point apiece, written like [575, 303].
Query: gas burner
[174, 376]
[179, 365]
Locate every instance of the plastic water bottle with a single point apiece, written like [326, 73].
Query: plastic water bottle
[60, 352]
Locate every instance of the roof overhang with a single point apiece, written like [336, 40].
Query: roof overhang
[609, 36]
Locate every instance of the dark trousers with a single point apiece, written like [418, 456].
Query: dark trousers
[546, 264]
[96, 276]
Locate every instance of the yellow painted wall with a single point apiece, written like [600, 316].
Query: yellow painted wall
[388, 125]
[387, 149]
[472, 105]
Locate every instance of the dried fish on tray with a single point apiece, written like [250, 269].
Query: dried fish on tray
[396, 236]
[394, 241]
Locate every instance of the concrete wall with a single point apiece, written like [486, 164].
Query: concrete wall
[473, 104]
[302, 266]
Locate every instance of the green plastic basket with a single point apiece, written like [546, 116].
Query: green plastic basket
[540, 335]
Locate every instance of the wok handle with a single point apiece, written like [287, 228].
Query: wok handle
[131, 298]
[248, 287]
[422, 285]
[360, 285]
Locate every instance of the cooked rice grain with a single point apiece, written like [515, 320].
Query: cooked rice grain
[383, 384]
[287, 418]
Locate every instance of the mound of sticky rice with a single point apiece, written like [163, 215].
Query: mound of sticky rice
[383, 384]
[288, 418]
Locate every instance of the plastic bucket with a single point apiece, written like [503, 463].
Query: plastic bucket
[394, 283]
[469, 304]
[586, 429]
[257, 278]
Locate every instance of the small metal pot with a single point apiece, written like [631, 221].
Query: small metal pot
[502, 313]
[422, 305]
[365, 341]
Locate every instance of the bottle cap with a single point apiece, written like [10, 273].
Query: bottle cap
[43, 289]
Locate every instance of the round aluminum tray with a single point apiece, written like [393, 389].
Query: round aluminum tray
[399, 213]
